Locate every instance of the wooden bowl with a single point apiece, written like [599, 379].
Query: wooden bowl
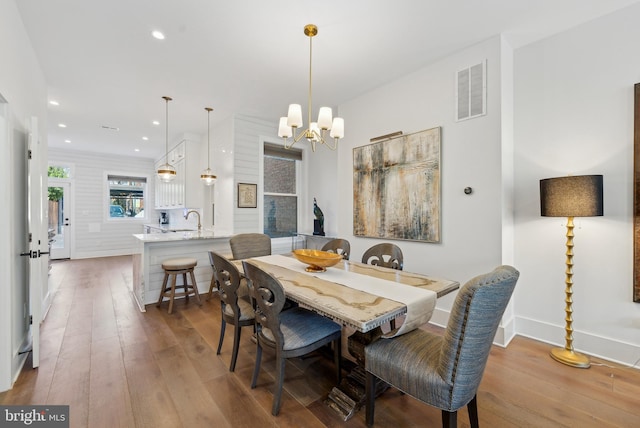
[317, 260]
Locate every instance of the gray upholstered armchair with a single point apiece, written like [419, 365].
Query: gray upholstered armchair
[445, 371]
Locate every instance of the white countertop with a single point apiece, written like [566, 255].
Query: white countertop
[168, 228]
[178, 236]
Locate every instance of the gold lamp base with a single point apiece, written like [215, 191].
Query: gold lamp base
[570, 358]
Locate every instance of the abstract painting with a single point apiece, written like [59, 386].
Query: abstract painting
[396, 188]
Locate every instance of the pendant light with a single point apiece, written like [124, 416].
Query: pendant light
[207, 176]
[166, 172]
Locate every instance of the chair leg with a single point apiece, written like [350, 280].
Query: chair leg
[212, 285]
[472, 407]
[449, 419]
[195, 287]
[277, 393]
[185, 286]
[223, 326]
[236, 344]
[173, 292]
[370, 397]
[256, 368]
[163, 289]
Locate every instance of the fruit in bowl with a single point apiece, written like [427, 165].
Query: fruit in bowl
[317, 260]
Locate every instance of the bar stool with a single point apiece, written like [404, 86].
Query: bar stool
[173, 268]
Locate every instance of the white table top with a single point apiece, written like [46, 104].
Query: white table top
[358, 309]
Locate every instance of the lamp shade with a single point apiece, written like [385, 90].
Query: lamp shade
[572, 196]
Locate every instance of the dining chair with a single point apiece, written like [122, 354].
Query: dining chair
[291, 333]
[247, 245]
[385, 254]
[235, 311]
[445, 371]
[338, 246]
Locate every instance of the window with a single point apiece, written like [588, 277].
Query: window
[281, 187]
[59, 171]
[126, 196]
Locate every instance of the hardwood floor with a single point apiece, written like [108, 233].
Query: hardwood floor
[118, 367]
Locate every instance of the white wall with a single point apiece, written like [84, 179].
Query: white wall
[574, 115]
[220, 194]
[23, 88]
[247, 152]
[471, 225]
[248, 135]
[95, 234]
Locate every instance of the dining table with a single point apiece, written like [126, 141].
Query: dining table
[363, 298]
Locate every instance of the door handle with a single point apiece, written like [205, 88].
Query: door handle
[33, 254]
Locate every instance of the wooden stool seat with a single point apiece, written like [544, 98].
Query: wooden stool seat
[173, 268]
[179, 264]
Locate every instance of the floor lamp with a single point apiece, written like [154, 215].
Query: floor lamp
[572, 196]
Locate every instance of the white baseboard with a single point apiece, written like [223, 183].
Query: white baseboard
[104, 253]
[591, 344]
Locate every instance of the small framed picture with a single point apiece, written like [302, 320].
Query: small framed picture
[247, 195]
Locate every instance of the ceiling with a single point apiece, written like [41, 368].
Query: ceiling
[250, 57]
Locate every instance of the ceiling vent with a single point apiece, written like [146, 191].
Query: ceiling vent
[471, 92]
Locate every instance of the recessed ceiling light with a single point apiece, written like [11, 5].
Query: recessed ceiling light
[62, 125]
[145, 138]
[136, 150]
[157, 34]
[67, 141]
[155, 122]
[54, 103]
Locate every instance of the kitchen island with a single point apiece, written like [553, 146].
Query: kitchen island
[153, 248]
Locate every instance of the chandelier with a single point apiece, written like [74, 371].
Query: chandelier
[316, 131]
[166, 172]
[207, 176]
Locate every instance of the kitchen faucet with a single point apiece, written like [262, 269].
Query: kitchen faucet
[186, 217]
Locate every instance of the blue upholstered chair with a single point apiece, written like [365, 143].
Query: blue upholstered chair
[291, 333]
[385, 254]
[235, 311]
[247, 245]
[445, 371]
[338, 246]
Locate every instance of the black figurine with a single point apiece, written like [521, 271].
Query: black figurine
[318, 223]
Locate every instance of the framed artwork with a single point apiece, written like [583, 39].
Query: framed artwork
[636, 194]
[396, 188]
[247, 195]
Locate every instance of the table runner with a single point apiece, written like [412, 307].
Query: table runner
[420, 303]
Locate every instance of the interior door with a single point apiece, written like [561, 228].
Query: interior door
[59, 224]
[37, 238]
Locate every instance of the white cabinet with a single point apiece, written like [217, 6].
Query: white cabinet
[185, 191]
